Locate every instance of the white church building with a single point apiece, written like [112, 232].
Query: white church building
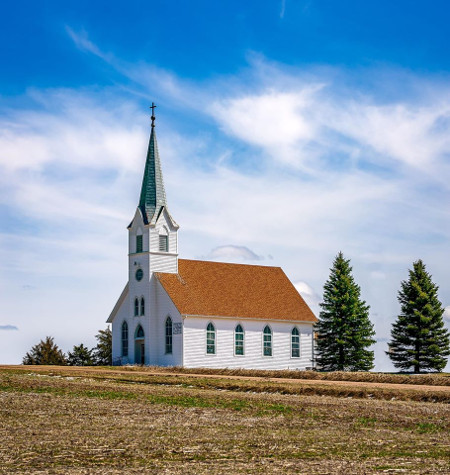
[181, 312]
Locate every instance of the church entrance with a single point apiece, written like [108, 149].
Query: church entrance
[139, 346]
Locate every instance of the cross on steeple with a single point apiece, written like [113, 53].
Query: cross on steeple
[153, 113]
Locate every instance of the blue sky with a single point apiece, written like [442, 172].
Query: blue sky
[288, 131]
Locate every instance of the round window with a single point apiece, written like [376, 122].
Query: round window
[139, 274]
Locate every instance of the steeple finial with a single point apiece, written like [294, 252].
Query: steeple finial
[153, 113]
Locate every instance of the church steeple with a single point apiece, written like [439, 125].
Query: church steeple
[153, 195]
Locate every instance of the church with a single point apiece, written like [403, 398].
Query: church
[191, 313]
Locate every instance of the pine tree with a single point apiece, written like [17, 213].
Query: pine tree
[103, 351]
[45, 352]
[419, 339]
[344, 328]
[80, 356]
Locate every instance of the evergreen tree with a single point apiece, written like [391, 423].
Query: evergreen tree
[344, 328]
[45, 352]
[80, 356]
[103, 351]
[419, 339]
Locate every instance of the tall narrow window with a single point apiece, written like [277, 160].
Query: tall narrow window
[136, 307]
[124, 339]
[163, 243]
[238, 340]
[267, 341]
[139, 243]
[142, 306]
[168, 335]
[295, 343]
[210, 339]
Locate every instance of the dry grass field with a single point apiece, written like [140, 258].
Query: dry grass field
[67, 420]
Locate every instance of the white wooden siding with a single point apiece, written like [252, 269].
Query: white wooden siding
[158, 307]
[163, 262]
[164, 307]
[170, 231]
[195, 355]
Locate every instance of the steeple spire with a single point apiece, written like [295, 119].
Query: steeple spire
[153, 195]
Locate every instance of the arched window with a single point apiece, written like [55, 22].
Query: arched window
[295, 343]
[136, 307]
[210, 339]
[124, 339]
[168, 335]
[238, 340]
[139, 332]
[267, 341]
[142, 306]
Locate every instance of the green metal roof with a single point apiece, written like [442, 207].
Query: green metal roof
[153, 195]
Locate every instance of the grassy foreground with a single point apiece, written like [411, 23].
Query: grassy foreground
[75, 420]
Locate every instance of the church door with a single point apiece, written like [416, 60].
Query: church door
[142, 353]
[139, 346]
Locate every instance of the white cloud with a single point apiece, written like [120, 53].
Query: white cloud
[274, 120]
[403, 132]
[310, 296]
[316, 124]
[232, 253]
[447, 313]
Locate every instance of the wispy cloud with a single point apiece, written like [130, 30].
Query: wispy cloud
[81, 40]
[8, 327]
[283, 8]
[232, 253]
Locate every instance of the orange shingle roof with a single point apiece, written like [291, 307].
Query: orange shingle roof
[234, 290]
